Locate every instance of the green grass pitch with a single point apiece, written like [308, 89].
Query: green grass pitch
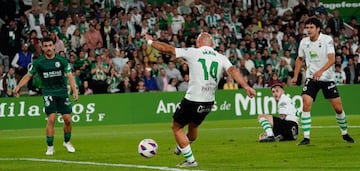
[221, 146]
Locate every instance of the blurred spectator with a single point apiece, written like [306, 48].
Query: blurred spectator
[84, 65]
[155, 70]
[249, 64]
[236, 27]
[316, 8]
[87, 89]
[184, 69]
[107, 33]
[115, 10]
[233, 53]
[258, 61]
[268, 73]
[125, 86]
[92, 37]
[259, 82]
[183, 86]
[119, 60]
[75, 9]
[260, 41]
[36, 20]
[99, 71]
[283, 70]
[335, 23]
[212, 18]
[21, 60]
[4, 62]
[141, 86]
[113, 81]
[172, 85]
[177, 22]
[300, 10]
[274, 60]
[230, 84]
[173, 72]
[77, 40]
[60, 12]
[11, 37]
[274, 79]
[59, 44]
[133, 80]
[252, 77]
[150, 81]
[340, 77]
[9, 82]
[162, 80]
[351, 72]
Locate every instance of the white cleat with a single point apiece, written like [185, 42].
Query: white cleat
[69, 147]
[187, 164]
[50, 151]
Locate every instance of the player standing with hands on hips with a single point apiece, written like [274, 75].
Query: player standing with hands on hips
[319, 53]
[52, 69]
[205, 69]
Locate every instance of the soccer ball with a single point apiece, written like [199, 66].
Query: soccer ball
[147, 148]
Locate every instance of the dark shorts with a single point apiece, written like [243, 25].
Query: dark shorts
[55, 104]
[328, 88]
[189, 111]
[288, 129]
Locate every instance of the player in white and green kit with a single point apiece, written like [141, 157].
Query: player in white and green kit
[205, 70]
[319, 54]
[52, 69]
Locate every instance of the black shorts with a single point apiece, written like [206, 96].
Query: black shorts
[288, 129]
[328, 88]
[189, 111]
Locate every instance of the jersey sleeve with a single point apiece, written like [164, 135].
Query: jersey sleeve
[227, 63]
[67, 66]
[301, 53]
[183, 52]
[330, 46]
[33, 68]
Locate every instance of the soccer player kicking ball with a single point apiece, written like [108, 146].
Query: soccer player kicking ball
[52, 69]
[284, 127]
[206, 67]
[319, 53]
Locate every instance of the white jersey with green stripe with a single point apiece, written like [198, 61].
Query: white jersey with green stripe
[287, 107]
[316, 56]
[206, 67]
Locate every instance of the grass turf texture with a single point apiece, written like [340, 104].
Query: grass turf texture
[222, 145]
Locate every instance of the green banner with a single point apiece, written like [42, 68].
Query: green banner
[27, 112]
[346, 9]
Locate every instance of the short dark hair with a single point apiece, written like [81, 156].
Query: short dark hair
[277, 85]
[47, 39]
[315, 21]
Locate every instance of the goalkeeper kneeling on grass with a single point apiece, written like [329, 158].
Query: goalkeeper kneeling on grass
[284, 127]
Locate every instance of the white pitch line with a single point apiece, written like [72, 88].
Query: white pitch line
[96, 163]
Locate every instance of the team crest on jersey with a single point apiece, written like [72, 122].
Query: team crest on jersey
[57, 64]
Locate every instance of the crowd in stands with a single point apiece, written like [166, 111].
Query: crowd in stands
[103, 41]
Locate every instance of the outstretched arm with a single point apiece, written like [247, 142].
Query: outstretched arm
[22, 82]
[298, 63]
[73, 85]
[160, 46]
